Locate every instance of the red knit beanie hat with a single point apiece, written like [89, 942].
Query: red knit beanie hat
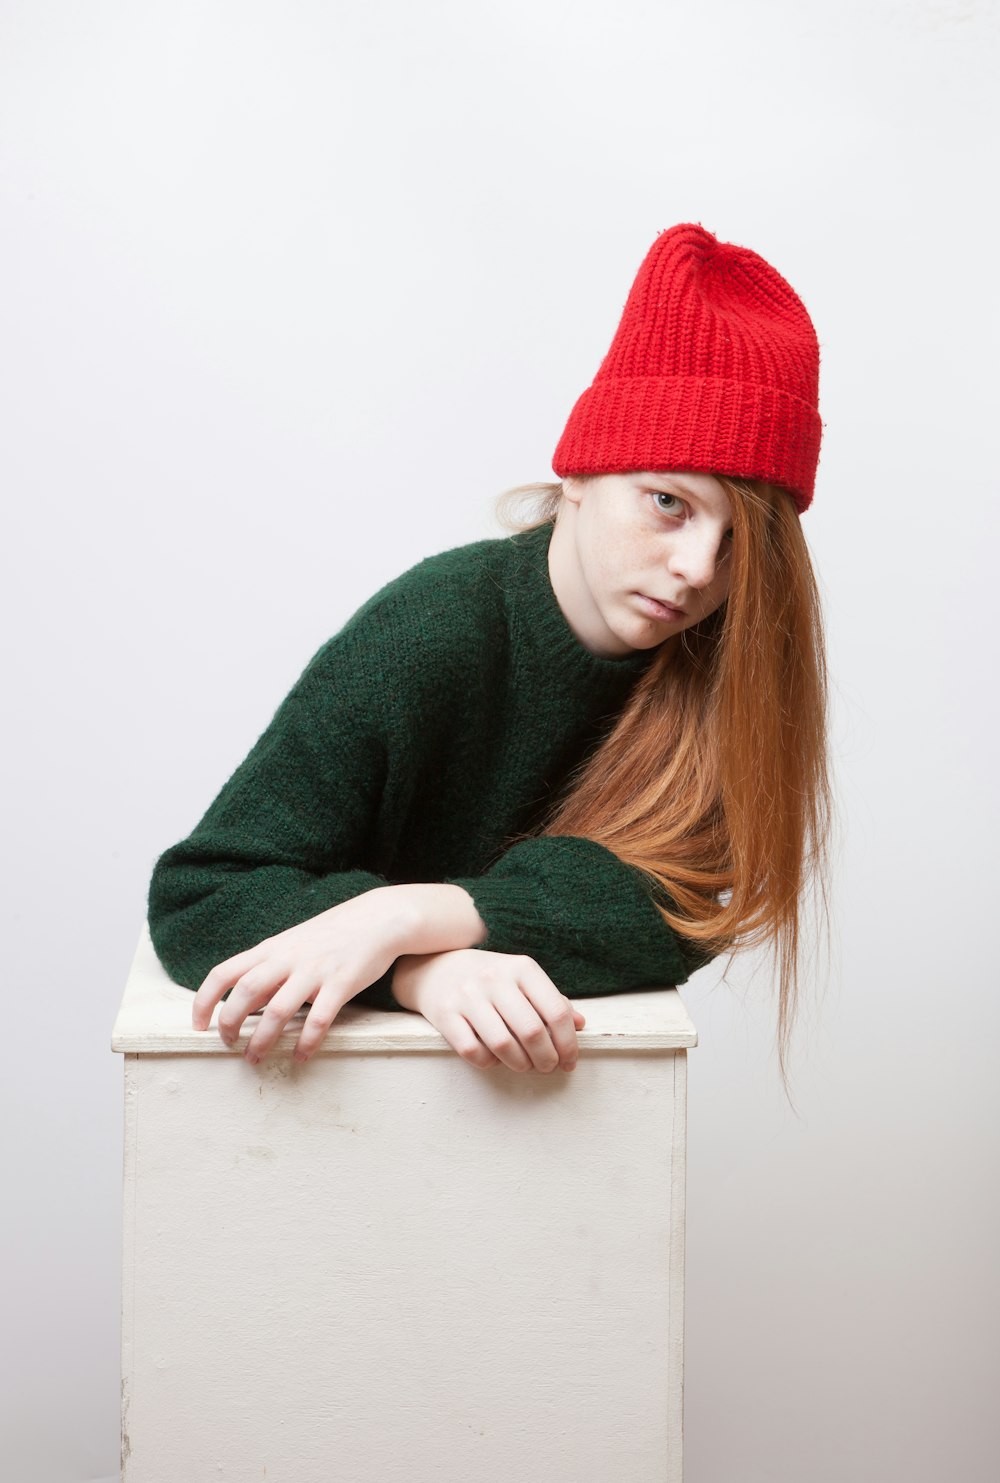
[714, 367]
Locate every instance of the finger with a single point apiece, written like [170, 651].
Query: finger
[498, 1036]
[327, 1004]
[462, 1037]
[284, 1004]
[528, 1026]
[252, 991]
[217, 981]
[555, 1010]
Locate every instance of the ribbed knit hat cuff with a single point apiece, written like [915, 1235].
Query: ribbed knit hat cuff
[701, 423]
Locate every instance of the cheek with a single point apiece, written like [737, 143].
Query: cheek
[601, 567]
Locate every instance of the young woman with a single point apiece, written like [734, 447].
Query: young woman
[581, 759]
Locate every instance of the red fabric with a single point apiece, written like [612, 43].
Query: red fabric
[714, 367]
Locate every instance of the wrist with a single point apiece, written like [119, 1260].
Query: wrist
[439, 918]
[403, 980]
[405, 918]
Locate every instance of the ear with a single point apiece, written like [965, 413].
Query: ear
[572, 489]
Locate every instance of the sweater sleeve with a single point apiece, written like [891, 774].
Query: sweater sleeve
[282, 840]
[588, 919]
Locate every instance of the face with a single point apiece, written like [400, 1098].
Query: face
[623, 539]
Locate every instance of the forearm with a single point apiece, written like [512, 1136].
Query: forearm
[201, 913]
[440, 918]
[592, 922]
[585, 917]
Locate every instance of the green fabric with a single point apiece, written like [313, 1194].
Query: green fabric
[436, 723]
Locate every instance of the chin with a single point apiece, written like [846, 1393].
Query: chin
[646, 637]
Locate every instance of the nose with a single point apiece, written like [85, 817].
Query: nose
[695, 556]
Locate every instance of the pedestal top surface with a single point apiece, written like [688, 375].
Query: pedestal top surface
[155, 1017]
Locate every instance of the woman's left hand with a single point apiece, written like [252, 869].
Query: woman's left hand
[327, 959]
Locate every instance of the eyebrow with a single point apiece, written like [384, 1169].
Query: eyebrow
[675, 479]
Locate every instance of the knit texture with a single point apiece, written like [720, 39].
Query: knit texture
[437, 722]
[714, 367]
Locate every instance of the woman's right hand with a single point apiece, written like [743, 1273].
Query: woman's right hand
[492, 1008]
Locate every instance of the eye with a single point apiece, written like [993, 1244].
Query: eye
[662, 494]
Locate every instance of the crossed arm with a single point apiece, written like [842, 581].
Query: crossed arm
[330, 958]
[492, 1008]
[273, 862]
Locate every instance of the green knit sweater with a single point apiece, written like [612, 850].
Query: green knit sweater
[438, 721]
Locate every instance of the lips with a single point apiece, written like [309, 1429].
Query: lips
[668, 609]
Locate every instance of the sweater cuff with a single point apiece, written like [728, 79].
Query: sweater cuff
[505, 906]
[579, 910]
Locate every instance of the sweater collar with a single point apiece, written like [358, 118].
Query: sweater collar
[545, 626]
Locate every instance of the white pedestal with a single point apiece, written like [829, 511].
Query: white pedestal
[389, 1265]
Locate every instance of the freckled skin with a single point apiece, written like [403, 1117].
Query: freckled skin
[664, 534]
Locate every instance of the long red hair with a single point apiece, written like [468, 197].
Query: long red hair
[714, 780]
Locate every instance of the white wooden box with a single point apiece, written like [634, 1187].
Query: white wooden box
[386, 1264]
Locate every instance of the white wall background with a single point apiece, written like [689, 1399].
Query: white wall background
[289, 292]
